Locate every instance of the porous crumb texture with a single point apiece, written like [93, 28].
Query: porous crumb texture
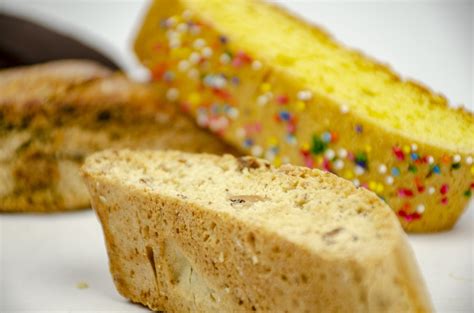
[284, 90]
[203, 233]
[53, 115]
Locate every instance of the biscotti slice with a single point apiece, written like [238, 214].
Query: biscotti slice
[203, 233]
[285, 90]
[55, 114]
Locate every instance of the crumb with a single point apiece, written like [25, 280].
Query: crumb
[82, 285]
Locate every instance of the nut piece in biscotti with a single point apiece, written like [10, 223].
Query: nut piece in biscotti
[285, 90]
[203, 233]
[55, 114]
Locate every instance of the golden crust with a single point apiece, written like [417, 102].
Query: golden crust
[185, 249]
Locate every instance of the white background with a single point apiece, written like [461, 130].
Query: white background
[43, 257]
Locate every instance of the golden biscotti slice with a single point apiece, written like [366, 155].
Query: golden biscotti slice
[53, 115]
[285, 90]
[204, 233]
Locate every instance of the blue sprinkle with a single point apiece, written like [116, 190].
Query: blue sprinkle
[248, 142]
[395, 171]
[291, 139]
[436, 169]
[414, 156]
[163, 23]
[235, 80]
[284, 115]
[223, 39]
[274, 149]
[214, 109]
[359, 128]
[326, 137]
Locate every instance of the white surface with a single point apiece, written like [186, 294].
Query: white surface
[42, 258]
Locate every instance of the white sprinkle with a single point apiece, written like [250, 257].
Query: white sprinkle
[256, 150]
[207, 52]
[187, 14]
[219, 82]
[254, 259]
[356, 182]
[182, 27]
[233, 113]
[103, 199]
[240, 132]
[171, 21]
[221, 257]
[342, 153]
[175, 42]
[420, 208]
[339, 164]
[330, 154]
[183, 65]
[304, 95]
[219, 123]
[456, 158]
[193, 73]
[256, 65]
[270, 155]
[359, 170]
[224, 58]
[431, 190]
[199, 43]
[262, 100]
[344, 109]
[430, 159]
[195, 30]
[382, 169]
[170, 34]
[389, 180]
[202, 120]
[414, 147]
[172, 94]
[194, 58]
[469, 160]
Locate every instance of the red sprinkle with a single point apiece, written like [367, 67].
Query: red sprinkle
[326, 165]
[291, 128]
[405, 192]
[409, 216]
[223, 94]
[308, 160]
[398, 153]
[444, 200]
[419, 185]
[282, 99]
[443, 189]
[158, 71]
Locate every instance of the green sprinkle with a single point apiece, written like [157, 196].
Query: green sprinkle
[412, 168]
[455, 166]
[317, 145]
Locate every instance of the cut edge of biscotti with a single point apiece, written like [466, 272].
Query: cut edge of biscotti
[251, 236]
[53, 115]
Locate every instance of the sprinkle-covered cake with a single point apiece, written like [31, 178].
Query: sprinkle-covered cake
[284, 90]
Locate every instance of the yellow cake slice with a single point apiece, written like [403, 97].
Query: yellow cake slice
[282, 89]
